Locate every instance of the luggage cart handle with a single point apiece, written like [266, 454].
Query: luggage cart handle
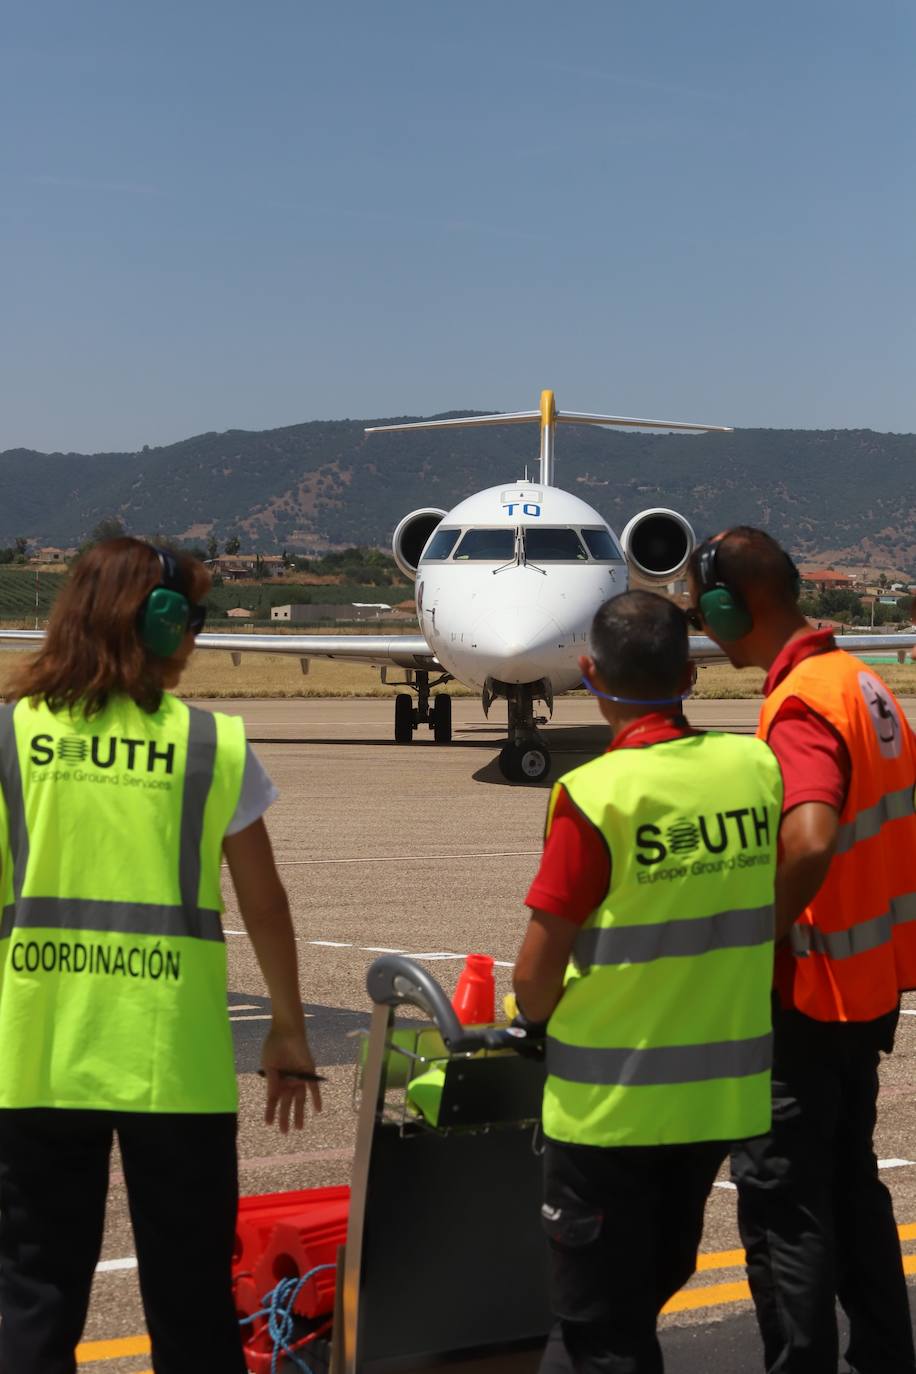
[394, 980]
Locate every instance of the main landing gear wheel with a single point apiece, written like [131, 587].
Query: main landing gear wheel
[524, 761]
[442, 718]
[403, 719]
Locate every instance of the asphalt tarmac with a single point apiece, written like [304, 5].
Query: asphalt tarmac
[426, 850]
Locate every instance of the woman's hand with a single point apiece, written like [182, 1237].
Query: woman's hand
[287, 1050]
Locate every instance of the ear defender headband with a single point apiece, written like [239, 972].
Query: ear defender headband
[166, 615]
[722, 608]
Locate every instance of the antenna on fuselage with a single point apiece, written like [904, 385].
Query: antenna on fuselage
[549, 418]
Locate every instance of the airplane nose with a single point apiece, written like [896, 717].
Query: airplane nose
[522, 641]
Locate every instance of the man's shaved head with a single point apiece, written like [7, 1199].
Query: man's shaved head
[750, 562]
[639, 644]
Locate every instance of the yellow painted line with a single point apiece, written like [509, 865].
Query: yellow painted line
[89, 1351]
[723, 1259]
[722, 1293]
[712, 1295]
[707, 1297]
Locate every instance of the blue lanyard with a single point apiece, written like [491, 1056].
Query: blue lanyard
[636, 701]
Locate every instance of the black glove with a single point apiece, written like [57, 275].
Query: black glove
[532, 1045]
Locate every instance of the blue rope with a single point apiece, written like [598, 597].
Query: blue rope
[278, 1309]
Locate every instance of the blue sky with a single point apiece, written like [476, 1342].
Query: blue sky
[219, 214]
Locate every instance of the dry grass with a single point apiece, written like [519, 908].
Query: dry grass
[211, 674]
[721, 681]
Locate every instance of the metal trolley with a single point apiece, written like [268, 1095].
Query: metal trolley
[445, 1258]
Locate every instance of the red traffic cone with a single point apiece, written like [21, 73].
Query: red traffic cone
[475, 995]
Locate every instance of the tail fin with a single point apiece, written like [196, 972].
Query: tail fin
[549, 418]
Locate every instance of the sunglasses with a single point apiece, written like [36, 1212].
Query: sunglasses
[196, 617]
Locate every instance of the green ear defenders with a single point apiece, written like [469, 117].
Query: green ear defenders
[166, 615]
[722, 608]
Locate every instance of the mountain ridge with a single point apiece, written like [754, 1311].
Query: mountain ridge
[324, 484]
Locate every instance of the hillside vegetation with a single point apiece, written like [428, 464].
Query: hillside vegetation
[849, 494]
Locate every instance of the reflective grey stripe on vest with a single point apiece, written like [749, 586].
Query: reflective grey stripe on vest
[77, 913]
[133, 918]
[663, 1065]
[198, 776]
[893, 806]
[602, 945]
[11, 783]
[858, 939]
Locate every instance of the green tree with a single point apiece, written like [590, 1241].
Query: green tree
[109, 528]
[212, 548]
[233, 544]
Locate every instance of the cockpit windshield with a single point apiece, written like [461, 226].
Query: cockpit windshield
[544, 545]
[602, 546]
[441, 544]
[497, 545]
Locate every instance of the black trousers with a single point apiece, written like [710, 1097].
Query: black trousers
[814, 1217]
[624, 1226]
[182, 1185]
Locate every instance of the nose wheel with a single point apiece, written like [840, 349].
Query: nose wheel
[524, 761]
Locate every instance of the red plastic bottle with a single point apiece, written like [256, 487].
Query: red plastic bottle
[475, 995]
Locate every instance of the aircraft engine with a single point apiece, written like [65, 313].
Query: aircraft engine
[410, 538]
[657, 544]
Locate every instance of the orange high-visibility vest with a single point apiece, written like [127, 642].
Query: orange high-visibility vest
[855, 945]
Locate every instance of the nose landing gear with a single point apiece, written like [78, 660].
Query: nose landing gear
[526, 757]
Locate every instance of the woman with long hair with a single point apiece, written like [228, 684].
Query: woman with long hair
[118, 803]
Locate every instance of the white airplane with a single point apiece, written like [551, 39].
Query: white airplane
[507, 585]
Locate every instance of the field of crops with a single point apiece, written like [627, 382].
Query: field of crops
[18, 587]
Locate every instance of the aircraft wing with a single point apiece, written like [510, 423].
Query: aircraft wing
[412, 651]
[705, 650]
[380, 651]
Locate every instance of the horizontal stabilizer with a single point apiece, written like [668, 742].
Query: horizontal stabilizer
[575, 417]
[570, 417]
[517, 417]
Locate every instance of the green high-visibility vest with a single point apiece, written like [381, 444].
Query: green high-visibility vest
[112, 957]
[663, 1034]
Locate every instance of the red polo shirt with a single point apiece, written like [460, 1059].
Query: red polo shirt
[813, 757]
[575, 871]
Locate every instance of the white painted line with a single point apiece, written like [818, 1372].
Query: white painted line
[265, 1017]
[441, 954]
[411, 858]
[882, 1164]
[235, 932]
[907, 1011]
[110, 1266]
[244, 1006]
